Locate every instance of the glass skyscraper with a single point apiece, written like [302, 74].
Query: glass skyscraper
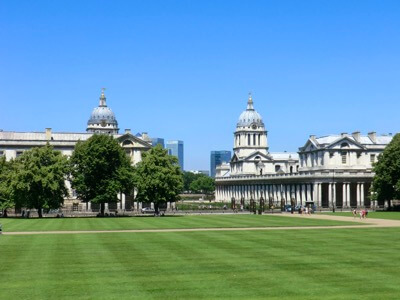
[175, 148]
[157, 141]
[217, 158]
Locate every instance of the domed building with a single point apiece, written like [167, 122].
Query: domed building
[102, 119]
[251, 155]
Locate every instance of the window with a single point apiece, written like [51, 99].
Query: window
[254, 139]
[291, 170]
[19, 153]
[1, 153]
[277, 168]
[331, 154]
[248, 139]
[372, 158]
[75, 206]
[344, 157]
[259, 139]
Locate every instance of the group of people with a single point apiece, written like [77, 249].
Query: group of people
[363, 213]
[306, 210]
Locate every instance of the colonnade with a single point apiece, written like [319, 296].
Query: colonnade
[323, 194]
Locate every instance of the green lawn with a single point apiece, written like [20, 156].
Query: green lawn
[292, 264]
[207, 221]
[392, 215]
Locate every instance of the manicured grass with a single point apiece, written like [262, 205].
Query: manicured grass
[391, 215]
[290, 264]
[207, 221]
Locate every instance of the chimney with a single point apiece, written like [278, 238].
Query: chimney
[48, 134]
[127, 130]
[343, 134]
[145, 137]
[356, 136]
[372, 136]
[312, 137]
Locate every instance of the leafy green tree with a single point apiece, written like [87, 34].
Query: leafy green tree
[386, 182]
[5, 191]
[203, 184]
[158, 177]
[188, 178]
[38, 179]
[100, 170]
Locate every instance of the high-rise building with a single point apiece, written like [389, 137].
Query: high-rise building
[157, 141]
[217, 158]
[175, 148]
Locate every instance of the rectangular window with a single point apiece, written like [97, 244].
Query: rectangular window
[331, 154]
[19, 153]
[344, 157]
[75, 206]
[372, 158]
[259, 139]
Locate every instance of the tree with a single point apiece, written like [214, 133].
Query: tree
[100, 170]
[386, 182]
[38, 179]
[158, 177]
[5, 191]
[188, 178]
[203, 184]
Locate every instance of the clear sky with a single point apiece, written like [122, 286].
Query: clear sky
[183, 69]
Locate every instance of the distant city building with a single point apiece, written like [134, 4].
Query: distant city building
[217, 158]
[157, 141]
[205, 172]
[175, 148]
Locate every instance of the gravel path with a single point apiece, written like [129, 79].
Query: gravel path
[364, 223]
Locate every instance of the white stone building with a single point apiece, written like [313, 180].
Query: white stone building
[331, 171]
[102, 120]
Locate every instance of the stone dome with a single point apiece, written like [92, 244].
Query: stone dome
[102, 114]
[250, 116]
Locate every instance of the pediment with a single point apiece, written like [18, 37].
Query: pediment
[345, 143]
[258, 156]
[309, 146]
[131, 141]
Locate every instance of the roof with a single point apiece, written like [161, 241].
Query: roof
[364, 139]
[284, 155]
[41, 136]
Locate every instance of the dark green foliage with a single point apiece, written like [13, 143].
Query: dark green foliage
[100, 170]
[38, 179]
[386, 183]
[158, 177]
[203, 184]
[5, 180]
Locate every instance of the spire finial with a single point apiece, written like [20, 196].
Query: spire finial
[103, 97]
[250, 102]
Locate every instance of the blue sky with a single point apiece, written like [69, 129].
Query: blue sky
[183, 69]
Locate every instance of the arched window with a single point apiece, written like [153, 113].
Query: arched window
[127, 143]
[344, 145]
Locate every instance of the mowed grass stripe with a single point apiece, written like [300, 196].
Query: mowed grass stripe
[216, 221]
[322, 264]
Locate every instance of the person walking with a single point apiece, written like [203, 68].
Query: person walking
[354, 213]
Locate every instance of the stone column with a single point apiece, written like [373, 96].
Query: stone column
[348, 194]
[319, 194]
[298, 195]
[123, 201]
[334, 194]
[303, 193]
[358, 195]
[344, 195]
[362, 195]
[330, 195]
[106, 207]
[89, 206]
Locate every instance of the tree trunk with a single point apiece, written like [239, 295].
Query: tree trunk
[40, 213]
[102, 209]
[5, 215]
[156, 209]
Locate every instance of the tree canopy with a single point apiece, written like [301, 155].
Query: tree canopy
[158, 177]
[38, 179]
[100, 169]
[5, 180]
[386, 183]
[203, 184]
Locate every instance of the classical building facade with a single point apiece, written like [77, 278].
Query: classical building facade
[333, 171]
[102, 121]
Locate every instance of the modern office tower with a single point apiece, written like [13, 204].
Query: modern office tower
[217, 158]
[157, 141]
[176, 148]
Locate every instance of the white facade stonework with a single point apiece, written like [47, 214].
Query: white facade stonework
[13, 144]
[334, 171]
